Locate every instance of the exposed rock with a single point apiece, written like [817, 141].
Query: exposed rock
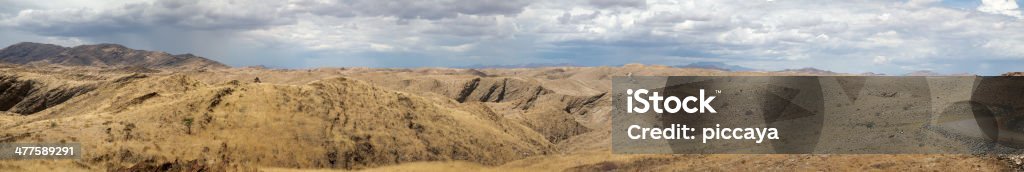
[26, 96]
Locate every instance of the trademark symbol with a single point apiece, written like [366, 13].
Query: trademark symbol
[718, 91]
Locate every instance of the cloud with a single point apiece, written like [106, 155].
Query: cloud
[1004, 7]
[921, 3]
[805, 33]
[411, 9]
[176, 14]
[618, 3]
[10, 6]
[841, 36]
[881, 60]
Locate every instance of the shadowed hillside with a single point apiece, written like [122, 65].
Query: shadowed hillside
[102, 55]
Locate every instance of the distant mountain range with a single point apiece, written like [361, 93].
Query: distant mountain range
[102, 55]
[923, 73]
[528, 65]
[716, 65]
[810, 70]
[932, 73]
[119, 56]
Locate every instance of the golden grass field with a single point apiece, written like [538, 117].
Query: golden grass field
[342, 119]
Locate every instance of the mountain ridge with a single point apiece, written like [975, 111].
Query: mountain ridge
[102, 55]
[716, 65]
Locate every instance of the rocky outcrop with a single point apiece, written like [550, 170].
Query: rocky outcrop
[552, 113]
[14, 91]
[522, 92]
[27, 96]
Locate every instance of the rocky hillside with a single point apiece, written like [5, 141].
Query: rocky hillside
[427, 119]
[102, 55]
[141, 121]
[24, 97]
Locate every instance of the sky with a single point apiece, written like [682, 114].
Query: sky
[893, 37]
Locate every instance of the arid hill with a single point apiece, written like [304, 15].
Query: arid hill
[27, 96]
[425, 119]
[102, 55]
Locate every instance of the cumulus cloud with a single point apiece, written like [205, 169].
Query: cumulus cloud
[1004, 7]
[881, 60]
[840, 36]
[836, 35]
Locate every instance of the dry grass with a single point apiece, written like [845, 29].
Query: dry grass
[334, 119]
